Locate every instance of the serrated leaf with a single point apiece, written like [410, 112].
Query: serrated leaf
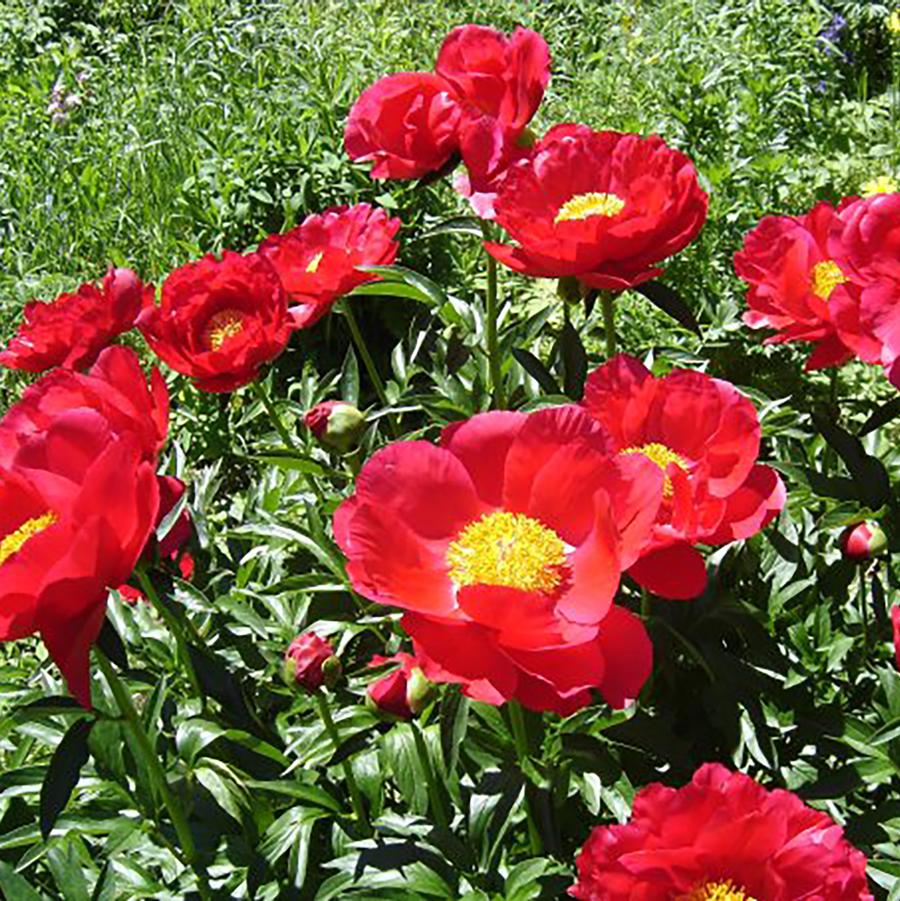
[63, 773]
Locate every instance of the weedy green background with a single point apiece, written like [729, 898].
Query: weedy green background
[205, 124]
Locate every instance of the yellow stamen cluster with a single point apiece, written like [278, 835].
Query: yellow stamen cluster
[825, 277]
[883, 184]
[662, 456]
[222, 327]
[581, 206]
[509, 549]
[12, 543]
[313, 264]
[716, 891]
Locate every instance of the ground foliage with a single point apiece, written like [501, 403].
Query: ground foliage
[206, 125]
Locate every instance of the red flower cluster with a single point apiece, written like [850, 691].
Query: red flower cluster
[505, 546]
[723, 837]
[318, 261]
[486, 89]
[73, 329]
[80, 500]
[704, 435]
[603, 206]
[831, 277]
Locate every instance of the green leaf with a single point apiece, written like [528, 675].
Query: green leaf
[403, 762]
[15, 887]
[63, 773]
[349, 383]
[670, 302]
[574, 361]
[536, 369]
[881, 416]
[421, 288]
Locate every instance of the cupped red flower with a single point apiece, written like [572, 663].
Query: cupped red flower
[114, 387]
[79, 498]
[318, 260]
[704, 435]
[310, 662]
[404, 124]
[725, 837]
[505, 545]
[72, 330]
[404, 691]
[793, 280]
[220, 320]
[865, 243]
[604, 206]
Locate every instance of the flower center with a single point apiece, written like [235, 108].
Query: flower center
[222, 327]
[884, 184]
[313, 264]
[13, 543]
[825, 277]
[509, 549]
[716, 891]
[662, 456]
[581, 206]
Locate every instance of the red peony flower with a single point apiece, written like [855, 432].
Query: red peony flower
[794, 282]
[220, 320]
[317, 261]
[895, 622]
[504, 545]
[404, 124]
[310, 662]
[722, 837]
[79, 498]
[602, 206]
[865, 243]
[499, 82]
[73, 329]
[704, 435]
[404, 691]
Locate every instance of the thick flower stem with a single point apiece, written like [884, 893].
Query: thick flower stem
[607, 301]
[355, 797]
[864, 609]
[368, 362]
[438, 810]
[150, 763]
[491, 315]
[174, 627]
[517, 722]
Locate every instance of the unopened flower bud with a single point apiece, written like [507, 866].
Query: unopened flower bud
[568, 289]
[402, 693]
[337, 424]
[527, 138]
[310, 662]
[863, 542]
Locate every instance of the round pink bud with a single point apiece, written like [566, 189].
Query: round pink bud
[337, 424]
[310, 662]
[402, 693]
[863, 542]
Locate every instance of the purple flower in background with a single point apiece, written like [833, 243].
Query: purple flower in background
[829, 38]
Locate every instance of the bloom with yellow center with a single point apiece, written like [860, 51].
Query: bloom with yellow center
[826, 275]
[313, 264]
[883, 184]
[582, 206]
[222, 327]
[662, 456]
[14, 541]
[508, 549]
[893, 23]
[716, 891]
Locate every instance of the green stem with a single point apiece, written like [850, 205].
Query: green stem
[863, 606]
[368, 362]
[437, 802]
[175, 628]
[276, 420]
[517, 722]
[607, 300]
[150, 763]
[355, 797]
[491, 315]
